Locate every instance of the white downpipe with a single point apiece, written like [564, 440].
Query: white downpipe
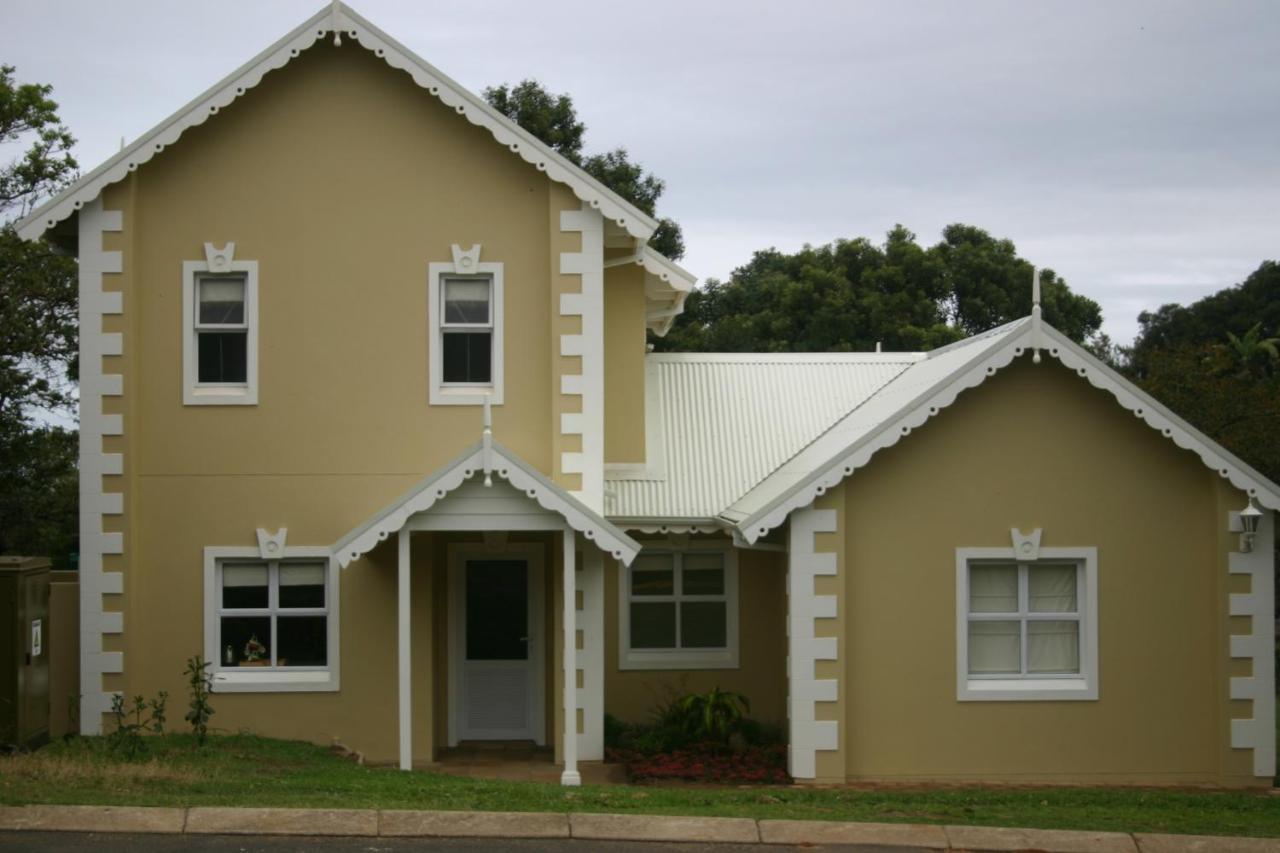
[405, 687]
[570, 776]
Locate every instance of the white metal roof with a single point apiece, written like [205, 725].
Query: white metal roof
[717, 424]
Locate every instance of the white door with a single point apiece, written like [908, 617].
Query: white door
[497, 636]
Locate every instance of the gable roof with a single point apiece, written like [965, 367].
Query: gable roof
[717, 424]
[933, 383]
[485, 456]
[342, 22]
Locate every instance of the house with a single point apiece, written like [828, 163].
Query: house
[367, 419]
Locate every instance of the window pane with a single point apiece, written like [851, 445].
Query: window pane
[497, 610]
[466, 300]
[1051, 588]
[246, 641]
[466, 357]
[702, 625]
[653, 625]
[223, 356]
[222, 299]
[303, 641]
[995, 647]
[993, 588]
[702, 574]
[653, 574]
[301, 585]
[1053, 647]
[244, 585]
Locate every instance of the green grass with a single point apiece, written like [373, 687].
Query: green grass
[243, 770]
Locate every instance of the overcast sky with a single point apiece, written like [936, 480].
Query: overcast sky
[1134, 147]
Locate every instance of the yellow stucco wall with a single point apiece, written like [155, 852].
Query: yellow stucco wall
[342, 426]
[631, 695]
[1038, 447]
[624, 348]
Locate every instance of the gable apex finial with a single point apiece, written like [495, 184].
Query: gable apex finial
[334, 10]
[1035, 315]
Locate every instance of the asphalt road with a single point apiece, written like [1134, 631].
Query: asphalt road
[90, 842]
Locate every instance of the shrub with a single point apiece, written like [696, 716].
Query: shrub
[134, 721]
[200, 683]
[713, 715]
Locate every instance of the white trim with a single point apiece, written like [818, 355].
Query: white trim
[569, 662]
[533, 555]
[1256, 732]
[269, 680]
[680, 658]
[654, 466]
[667, 285]
[440, 393]
[1020, 689]
[809, 735]
[194, 393]
[1009, 342]
[329, 20]
[509, 467]
[591, 656]
[95, 502]
[404, 648]
[588, 344]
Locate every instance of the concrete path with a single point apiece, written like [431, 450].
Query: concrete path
[369, 823]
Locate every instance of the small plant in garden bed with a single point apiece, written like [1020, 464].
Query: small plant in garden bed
[707, 762]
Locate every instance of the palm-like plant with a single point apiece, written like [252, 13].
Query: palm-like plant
[714, 714]
[1252, 354]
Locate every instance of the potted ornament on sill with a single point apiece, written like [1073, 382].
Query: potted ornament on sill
[255, 654]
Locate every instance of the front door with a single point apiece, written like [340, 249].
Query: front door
[497, 644]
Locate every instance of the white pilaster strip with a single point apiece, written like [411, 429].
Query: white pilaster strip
[1258, 732]
[591, 656]
[804, 608]
[405, 694]
[589, 345]
[569, 661]
[95, 463]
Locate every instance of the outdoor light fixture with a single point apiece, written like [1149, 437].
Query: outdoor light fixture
[1249, 518]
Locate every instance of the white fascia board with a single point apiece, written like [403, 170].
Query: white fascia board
[502, 463]
[1017, 338]
[345, 22]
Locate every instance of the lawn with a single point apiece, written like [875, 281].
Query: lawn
[243, 770]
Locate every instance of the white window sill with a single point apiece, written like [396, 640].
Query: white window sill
[220, 395]
[679, 659]
[1026, 690]
[467, 395]
[255, 680]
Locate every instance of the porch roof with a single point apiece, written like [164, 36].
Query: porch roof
[490, 458]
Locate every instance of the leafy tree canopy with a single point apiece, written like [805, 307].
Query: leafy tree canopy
[554, 120]
[852, 294]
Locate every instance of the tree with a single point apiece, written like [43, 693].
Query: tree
[852, 294]
[554, 120]
[38, 341]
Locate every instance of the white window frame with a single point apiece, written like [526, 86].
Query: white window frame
[195, 393]
[269, 679]
[464, 265]
[677, 658]
[1072, 687]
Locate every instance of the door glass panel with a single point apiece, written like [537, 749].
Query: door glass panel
[497, 610]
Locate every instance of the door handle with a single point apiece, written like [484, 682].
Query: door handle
[524, 639]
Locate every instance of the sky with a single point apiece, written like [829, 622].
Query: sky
[1132, 146]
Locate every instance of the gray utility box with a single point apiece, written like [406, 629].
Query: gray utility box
[24, 651]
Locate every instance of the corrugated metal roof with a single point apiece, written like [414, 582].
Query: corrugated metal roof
[724, 422]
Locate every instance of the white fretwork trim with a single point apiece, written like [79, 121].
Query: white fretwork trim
[1018, 338]
[591, 655]
[1258, 646]
[804, 608]
[588, 304]
[505, 465]
[333, 20]
[95, 622]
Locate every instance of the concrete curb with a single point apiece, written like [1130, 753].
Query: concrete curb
[604, 827]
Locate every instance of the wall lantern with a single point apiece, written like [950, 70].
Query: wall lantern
[1249, 518]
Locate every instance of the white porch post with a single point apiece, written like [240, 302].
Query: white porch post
[406, 699]
[570, 776]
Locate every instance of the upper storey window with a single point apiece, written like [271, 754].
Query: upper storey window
[464, 306]
[220, 339]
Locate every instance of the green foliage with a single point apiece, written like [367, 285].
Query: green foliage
[38, 342]
[713, 715]
[200, 686]
[849, 295]
[554, 120]
[126, 739]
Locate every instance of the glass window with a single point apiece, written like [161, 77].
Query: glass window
[273, 613]
[1024, 619]
[678, 601]
[467, 330]
[221, 329]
